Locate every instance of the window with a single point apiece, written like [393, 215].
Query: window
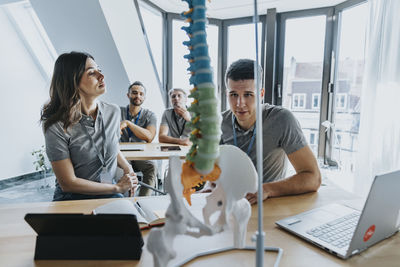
[341, 100]
[348, 83]
[299, 101]
[212, 40]
[180, 74]
[180, 64]
[153, 23]
[29, 29]
[241, 42]
[312, 139]
[303, 57]
[338, 140]
[315, 101]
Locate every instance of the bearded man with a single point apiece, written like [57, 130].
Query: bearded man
[139, 125]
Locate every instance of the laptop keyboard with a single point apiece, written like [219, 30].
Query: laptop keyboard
[338, 232]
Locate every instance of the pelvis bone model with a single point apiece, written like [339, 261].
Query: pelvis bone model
[238, 177]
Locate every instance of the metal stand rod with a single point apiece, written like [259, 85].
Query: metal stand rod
[260, 235]
[152, 188]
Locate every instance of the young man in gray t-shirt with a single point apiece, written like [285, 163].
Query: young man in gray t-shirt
[282, 136]
[139, 124]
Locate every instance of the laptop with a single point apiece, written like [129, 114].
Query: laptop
[132, 147]
[345, 231]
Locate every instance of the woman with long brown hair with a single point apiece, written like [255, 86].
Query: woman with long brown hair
[82, 133]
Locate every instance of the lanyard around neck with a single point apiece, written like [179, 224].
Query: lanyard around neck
[235, 137]
[128, 116]
[103, 133]
[180, 131]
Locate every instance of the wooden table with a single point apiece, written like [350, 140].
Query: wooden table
[17, 239]
[153, 151]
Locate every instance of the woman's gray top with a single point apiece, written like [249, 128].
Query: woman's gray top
[76, 145]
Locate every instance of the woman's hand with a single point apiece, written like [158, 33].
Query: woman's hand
[134, 180]
[127, 182]
[128, 169]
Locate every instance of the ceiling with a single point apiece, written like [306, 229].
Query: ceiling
[225, 9]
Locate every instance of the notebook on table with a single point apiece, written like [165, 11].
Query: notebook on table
[345, 231]
[132, 147]
[149, 212]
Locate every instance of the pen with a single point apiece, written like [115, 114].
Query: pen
[139, 209]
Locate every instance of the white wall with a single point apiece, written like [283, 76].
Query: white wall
[23, 92]
[75, 25]
[71, 25]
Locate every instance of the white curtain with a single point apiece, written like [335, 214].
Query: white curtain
[379, 147]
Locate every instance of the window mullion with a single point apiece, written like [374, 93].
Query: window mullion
[323, 150]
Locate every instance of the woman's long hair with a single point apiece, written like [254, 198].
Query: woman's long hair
[65, 102]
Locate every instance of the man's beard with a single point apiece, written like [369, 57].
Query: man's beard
[135, 104]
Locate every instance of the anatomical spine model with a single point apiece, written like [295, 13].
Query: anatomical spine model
[200, 161]
[229, 167]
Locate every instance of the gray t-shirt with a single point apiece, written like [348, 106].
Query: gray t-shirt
[282, 135]
[177, 125]
[144, 118]
[76, 145]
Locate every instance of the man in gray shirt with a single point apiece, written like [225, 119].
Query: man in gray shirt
[174, 123]
[282, 136]
[139, 125]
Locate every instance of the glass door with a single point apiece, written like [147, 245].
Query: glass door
[303, 61]
[348, 82]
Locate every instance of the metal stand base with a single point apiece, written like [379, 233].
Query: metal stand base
[216, 251]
